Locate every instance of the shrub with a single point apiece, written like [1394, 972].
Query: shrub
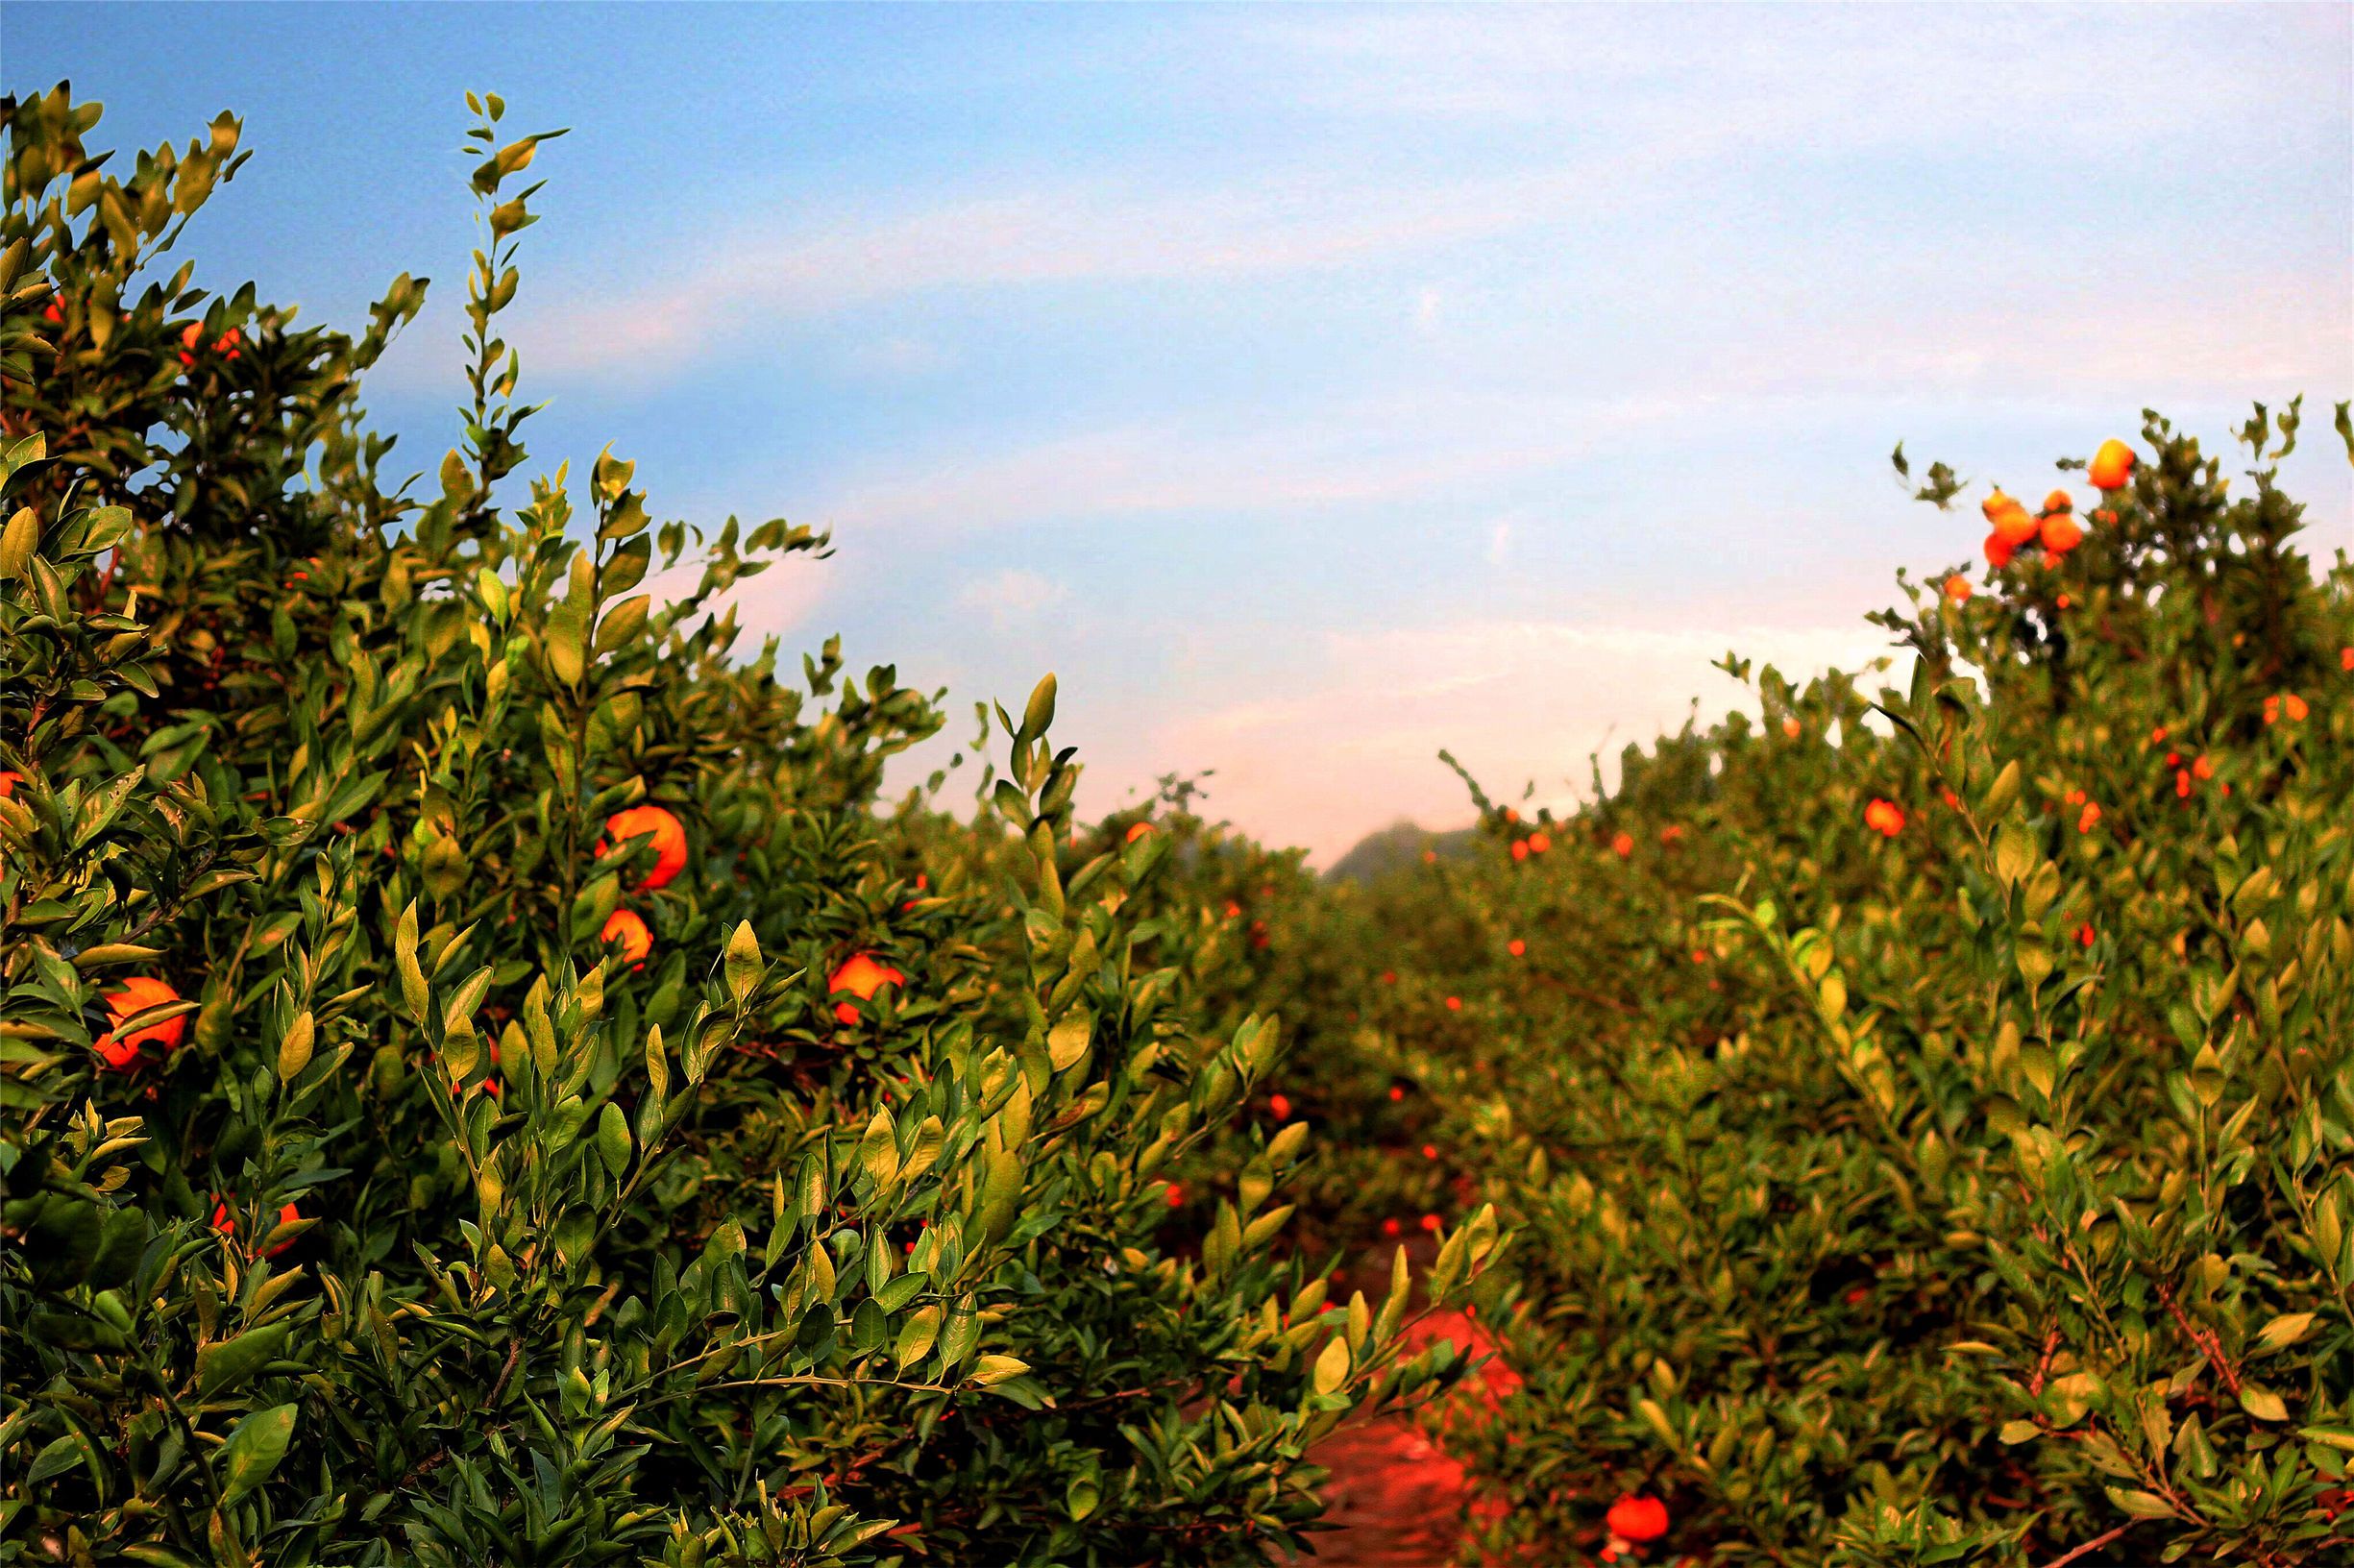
[510, 1188]
[1927, 1119]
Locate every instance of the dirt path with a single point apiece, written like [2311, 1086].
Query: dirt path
[1396, 1498]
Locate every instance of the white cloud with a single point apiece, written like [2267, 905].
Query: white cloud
[1013, 598]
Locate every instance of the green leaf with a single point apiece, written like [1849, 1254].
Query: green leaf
[916, 1336]
[223, 1366]
[18, 542]
[743, 962]
[613, 1139]
[2262, 1403]
[1039, 716]
[2140, 1504]
[990, 1370]
[1331, 1368]
[253, 1448]
[878, 1151]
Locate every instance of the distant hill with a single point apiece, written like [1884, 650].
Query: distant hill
[1400, 845]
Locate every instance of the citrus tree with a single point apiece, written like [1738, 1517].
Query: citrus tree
[1929, 1113]
[485, 1082]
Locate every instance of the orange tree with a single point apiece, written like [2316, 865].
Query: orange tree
[485, 1082]
[1929, 1115]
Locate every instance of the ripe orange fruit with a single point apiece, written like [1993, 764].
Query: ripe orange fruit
[2203, 768]
[1454, 1004]
[1430, 1222]
[2090, 817]
[1539, 842]
[1672, 833]
[1515, 946]
[1390, 1227]
[1790, 728]
[2085, 936]
[226, 1223]
[2058, 501]
[2294, 706]
[2111, 466]
[1176, 1195]
[1397, 1092]
[1520, 848]
[2061, 532]
[669, 836]
[1997, 552]
[1234, 911]
[189, 340]
[1430, 1151]
[1958, 588]
[1638, 1518]
[1280, 1105]
[1884, 818]
[628, 927]
[1623, 846]
[133, 996]
[2011, 521]
[861, 977]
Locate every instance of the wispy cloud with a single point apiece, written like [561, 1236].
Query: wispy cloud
[1013, 597]
[1517, 702]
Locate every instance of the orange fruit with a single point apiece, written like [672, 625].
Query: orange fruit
[1176, 1195]
[2111, 466]
[1884, 818]
[1430, 1222]
[1280, 1105]
[2086, 936]
[1958, 588]
[861, 977]
[1397, 1092]
[1520, 848]
[1390, 1227]
[669, 836]
[1623, 846]
[133, 996]
[1790, 728]
[226, 1223]
[2090, 817]
[1539, 842]
[1997, 552]
[1430, 1151]
[2294, 706]
[1516, 948]
[1638, 1518]
[628, 927]
[2012, 523]
[2061, 532]
[2058, 501]
[1454, 1004]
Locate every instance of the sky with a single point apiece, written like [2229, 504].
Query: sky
[1309, 388]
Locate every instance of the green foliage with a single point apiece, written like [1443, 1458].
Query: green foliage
[366, 1204]
[1974, 1192]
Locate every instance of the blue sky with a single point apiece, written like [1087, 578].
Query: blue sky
[1310, 388]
